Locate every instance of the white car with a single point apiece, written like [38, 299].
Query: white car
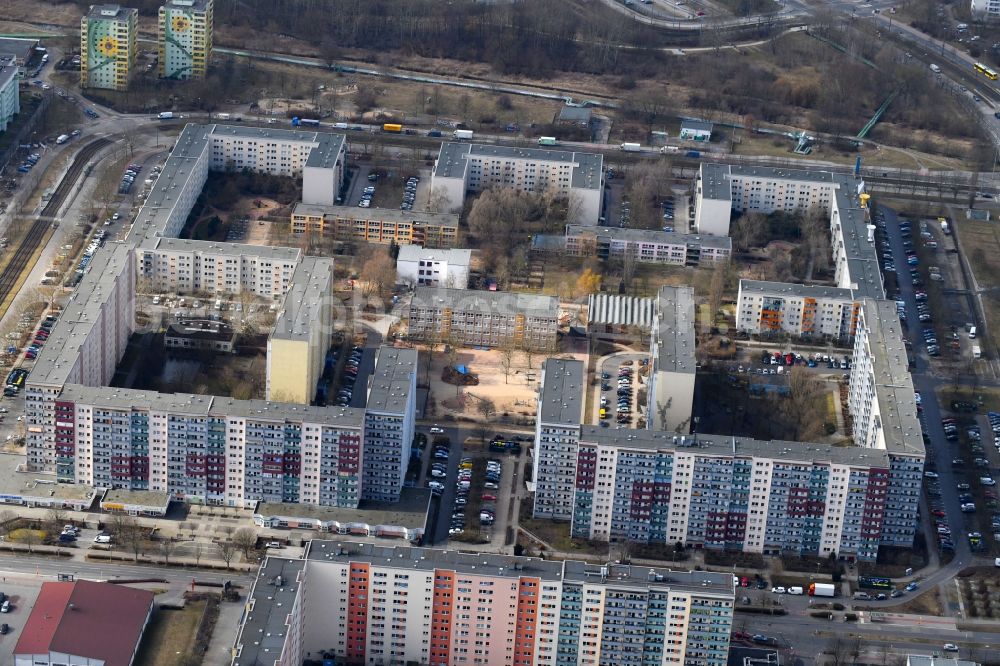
[987, 481]
[950, 647]
[778, 590]
[102, 538]
[437, 431]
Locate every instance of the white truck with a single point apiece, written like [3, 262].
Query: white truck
[463, 134]
[222, 116]
[944, 227]
[977, 352]
[935, 69]
[822, 590]
[165, 115]
[62, 138]
[631, 147]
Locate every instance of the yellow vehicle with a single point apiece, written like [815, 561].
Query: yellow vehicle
[985, 71]
[604, 413]
[392, 127]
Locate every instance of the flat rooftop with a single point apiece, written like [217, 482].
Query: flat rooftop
[715, 182]
[674, 330]
[76, 323]
[263, 630]
[201, 329]
[376, 214]
[182, 245]
[14, 483]
[193, 5]
[110, 12]
[562, 394]
[486, 302]
[587, 168]
[457, 257]
[492, 564]
[697, 125]
[893, 382]
[106, 397]
[409, 512]
[787, 452]
[326, 146]
[136, 497]
[791, 289]
[18, 47]
[391, 382]
[613, 234]
[308, 295]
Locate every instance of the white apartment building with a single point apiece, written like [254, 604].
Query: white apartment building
[782, 308]
[389, 422]
[985, 9]
[470, 167]
[721, 189]
[107, 46]
[647, 246]
[184, 38]
[418, 266]
[672, 346]
[297, 346]
[557, 431]
[10, 97]
[186, 266]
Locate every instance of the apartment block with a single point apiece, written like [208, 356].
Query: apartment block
[985, 9]
[722, 188]
[369, 604]
[302, 333]
[85, 347]
[647, 246]
[389, 422]
[426, 267]
[807, 311]
[107, 46]
[557, 433]
[10, 95]
[484, 318]
[377, 225]
[470, 167]
[186, 267]
[184, 38]
[210, 450]
[672, 343]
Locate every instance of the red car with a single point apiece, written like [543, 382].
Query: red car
[938, 513]
[489, 498]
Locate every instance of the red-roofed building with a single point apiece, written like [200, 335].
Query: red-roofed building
[84, 622]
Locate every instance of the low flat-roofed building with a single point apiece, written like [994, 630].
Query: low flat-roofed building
[418, 266]
[377, 225]
[24, 488]
[405, 519]
[574, 115]
[484, 318]
[200, 335]
[696, 130]
[647, 246]
[613, 316]
[84, 622]
[136, 502]
[925, 660]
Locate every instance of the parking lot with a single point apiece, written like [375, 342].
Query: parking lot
[387, 188]
[621, 378]
[22, 593]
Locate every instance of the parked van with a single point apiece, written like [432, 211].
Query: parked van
[795, 590]
[972, 333]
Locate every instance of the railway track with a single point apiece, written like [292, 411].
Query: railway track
[11, 274]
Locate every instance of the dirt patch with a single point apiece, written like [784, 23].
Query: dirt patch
[171, 635]
[980, 594]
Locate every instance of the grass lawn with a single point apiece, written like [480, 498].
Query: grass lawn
[990, 397]
[981, 242]
[170, 635]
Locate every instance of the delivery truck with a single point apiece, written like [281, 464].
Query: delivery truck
[463, 134]
[822, 590]
[631, 147]
[165, 115]
[547, 141]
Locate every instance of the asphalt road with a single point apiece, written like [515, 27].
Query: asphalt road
[45, 567]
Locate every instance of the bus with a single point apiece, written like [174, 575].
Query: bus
[985, 71]
[392, 127]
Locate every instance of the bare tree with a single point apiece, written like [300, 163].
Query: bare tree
[245, 539]
[6, 518]
[29, 536]
[55, 518]
[198, 550]
[227, 549]
[167, 547]
[378, 273]
[507, 360]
